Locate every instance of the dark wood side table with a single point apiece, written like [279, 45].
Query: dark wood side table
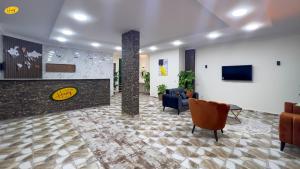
[236, 110]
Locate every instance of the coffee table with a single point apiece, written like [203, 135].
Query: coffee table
[236, 110]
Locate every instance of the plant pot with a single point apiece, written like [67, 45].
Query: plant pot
[160, 96]
[189, 93]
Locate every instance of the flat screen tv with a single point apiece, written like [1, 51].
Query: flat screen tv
[240, 72]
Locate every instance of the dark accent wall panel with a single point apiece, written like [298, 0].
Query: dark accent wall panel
[23, 59]
[21, 98]
[64, 68]
[190, 56]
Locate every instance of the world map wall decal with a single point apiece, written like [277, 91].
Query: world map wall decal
[23, 58]
[14, 51]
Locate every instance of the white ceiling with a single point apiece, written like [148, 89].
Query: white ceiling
[159, 21]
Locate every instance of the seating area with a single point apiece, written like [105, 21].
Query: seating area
[289, 125]
[177, 99]
[149, 84]
[208, 115]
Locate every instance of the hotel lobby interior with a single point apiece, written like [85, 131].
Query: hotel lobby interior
[149, 84]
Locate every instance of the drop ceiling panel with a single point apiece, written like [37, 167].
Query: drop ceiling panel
[157, 20]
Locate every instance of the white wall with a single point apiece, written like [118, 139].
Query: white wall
[144, 66]
[89, 64]
[171, 81]
[272, 85]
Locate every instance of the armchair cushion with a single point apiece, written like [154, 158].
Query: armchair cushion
[289, 127]
[291, 108]
[172, 101]
[208, 115]
[183, 96]
[174, 91]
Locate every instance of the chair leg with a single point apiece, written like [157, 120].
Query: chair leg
[222, 130]
[178, 111]
[282, 146]
[164, 108]
[216, 135]
[193, 129]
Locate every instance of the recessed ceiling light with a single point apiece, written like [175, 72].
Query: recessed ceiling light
[153, 48]
[118, 48]
[177, 43]
[252, 26]
[214, 35]
[67, 32]
[61, 39]
[141, 51]
[240, 12]
[96, 44]
[81, 17]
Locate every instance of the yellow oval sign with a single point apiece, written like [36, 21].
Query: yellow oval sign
[11, 10]
[64, 93]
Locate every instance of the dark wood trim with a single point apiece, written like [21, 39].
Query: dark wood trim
[64, 68]
[190, 58]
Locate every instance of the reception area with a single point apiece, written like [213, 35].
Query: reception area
[143, 84]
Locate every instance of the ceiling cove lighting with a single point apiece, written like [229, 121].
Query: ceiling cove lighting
[252, 26]
[67, 32]
[118, 48]
[96, 44]
[214, 35]
[153, 48]
[11, 10]
[61, 39]
[81, 17]
[240, 12]
[177, 43]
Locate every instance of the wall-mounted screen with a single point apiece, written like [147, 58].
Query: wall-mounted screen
[240, 72]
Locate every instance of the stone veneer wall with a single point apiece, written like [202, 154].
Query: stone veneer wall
[130, 72]
[20, 98]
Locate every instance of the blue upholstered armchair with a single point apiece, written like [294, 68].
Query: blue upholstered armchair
[177, 99]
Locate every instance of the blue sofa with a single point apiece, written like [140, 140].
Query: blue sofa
[176, 98]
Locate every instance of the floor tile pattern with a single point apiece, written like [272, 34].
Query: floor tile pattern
[103, 137]
[43, 142]
[121, 141]
[114, 143]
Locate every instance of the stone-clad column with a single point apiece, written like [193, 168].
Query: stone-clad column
[130, 72]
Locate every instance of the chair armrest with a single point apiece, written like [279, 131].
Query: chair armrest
[286, 127]
[171, 101]
[291, 108]
[195, 95]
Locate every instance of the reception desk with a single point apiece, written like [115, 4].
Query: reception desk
[19, 98]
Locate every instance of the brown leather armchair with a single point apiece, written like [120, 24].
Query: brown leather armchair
[208, 115]
[289, 125]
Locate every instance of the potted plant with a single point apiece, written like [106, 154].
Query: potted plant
[146, 77]
[161, 90]
[186, 79]
[116, 79]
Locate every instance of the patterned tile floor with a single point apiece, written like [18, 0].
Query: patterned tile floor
[154, 139]
[43, 142]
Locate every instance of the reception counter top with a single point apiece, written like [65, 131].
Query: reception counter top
[26, 97]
